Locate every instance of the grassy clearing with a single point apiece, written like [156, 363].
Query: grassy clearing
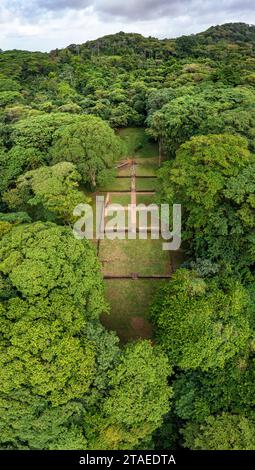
[146, 199]
[130, 300]
[123, 257]
[147, 167]
[119, 184]
[146, 184]
[124, 171]
[137, 143]
[144, 170]
[123, 199]
[148, 161]
[130, 303]
[110, 223]
[93, 198]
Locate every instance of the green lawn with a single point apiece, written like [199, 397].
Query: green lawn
[146, 184]
[109, 221]
[93, 197]
[123, 199]
[137, 143]
[118, 184]
[130, 302]
[124, 171]
[146, 199]
[147, 167]
[123, 257]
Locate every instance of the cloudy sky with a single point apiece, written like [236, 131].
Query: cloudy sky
[48, 24]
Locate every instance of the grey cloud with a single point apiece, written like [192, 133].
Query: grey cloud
[141, 9]
[133, 10]
[57, 5]
[34, 7]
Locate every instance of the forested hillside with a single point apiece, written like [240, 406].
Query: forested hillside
[66, 119]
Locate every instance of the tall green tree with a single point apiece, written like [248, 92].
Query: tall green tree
[213, 177]
[199, 394]
[37, 132]
[91, 145]
[54, 285]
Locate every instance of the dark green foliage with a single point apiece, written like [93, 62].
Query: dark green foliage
[200, 394]
[225, 432]
[202, 324]
[205, 112]
[232, 32]
[213, 177]
[15, 217]
[136, 402]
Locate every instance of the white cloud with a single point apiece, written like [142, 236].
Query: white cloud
[48, 24]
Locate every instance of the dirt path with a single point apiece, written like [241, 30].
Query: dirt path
[124, 164]
[137, 276]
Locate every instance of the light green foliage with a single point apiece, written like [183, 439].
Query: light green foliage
[8, 97]
[37, 132]
[40, 354]
[17, 161]
[133, 391]
[56, 286]
[70, 108]
[56, 353]
[5, 227]
[123, 115]
[202, 324]
[138, 398]
[48, 193]
[86, 141]
[57, 262]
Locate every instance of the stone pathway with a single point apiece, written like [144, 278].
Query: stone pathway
[133, 197]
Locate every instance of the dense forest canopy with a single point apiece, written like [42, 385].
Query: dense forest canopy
[67, 382]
